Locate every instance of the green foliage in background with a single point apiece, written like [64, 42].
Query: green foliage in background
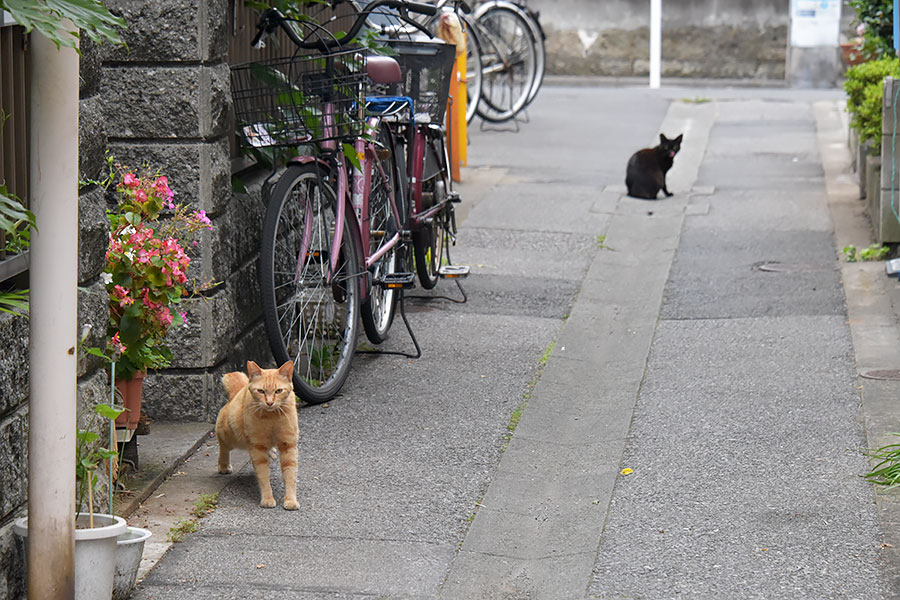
[864, 86]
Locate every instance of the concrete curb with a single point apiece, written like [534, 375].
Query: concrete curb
[872, 315]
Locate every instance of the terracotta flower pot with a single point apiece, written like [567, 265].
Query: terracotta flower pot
[852, 53]
[132, 391]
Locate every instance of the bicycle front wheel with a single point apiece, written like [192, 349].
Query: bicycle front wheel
[509, 59]
[310, 314]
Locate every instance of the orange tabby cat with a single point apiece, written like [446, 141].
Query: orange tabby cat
[261, 414]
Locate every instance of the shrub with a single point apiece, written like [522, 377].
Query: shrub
[864, 87]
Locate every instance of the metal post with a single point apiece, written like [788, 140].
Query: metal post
[53, 108]
[896, 26]
[656, 42]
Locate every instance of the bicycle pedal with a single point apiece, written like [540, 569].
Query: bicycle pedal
[397, 281]
[454, 271]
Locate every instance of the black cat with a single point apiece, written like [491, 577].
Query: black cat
[647, 168]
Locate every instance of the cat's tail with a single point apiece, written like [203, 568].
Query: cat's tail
[234, 382]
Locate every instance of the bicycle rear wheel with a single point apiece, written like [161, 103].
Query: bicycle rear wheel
[308, 319]
[381, 302]
[508, 60]
[430, 245]
[431, 239]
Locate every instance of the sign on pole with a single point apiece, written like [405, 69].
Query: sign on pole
[816, 23]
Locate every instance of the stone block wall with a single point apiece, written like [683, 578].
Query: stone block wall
[164, 101]
[167, 103]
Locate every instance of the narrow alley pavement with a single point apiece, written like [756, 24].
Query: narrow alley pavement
[708, 343]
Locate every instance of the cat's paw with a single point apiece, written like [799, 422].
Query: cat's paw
[291, 505]
[267, 503]
[225, 470]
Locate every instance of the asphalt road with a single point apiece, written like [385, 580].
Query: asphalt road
[628, 334]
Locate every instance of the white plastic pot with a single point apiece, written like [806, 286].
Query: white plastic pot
[95, 553]
[128, 559]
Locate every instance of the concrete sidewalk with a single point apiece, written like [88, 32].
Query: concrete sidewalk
[710, 342]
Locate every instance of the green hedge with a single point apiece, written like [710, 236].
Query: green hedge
[864, 86]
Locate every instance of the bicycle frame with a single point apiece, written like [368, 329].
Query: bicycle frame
[417, 158]
[352, 197]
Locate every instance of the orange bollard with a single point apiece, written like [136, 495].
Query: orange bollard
[456, 114]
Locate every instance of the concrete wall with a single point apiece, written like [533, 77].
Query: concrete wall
[701, 38]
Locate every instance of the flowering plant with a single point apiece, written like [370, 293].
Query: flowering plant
[146, 267]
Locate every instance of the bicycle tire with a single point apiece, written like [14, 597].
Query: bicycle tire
[307, 320]
[537, 32]
[381, 303]
[473, 70]
[431, 239]
[429, 246]
[509, 60]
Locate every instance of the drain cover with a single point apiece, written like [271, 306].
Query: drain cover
[887, 374]
[779, 267]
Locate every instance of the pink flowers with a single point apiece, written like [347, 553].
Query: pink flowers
[146, 272]
[116, 345]
[202, 219]
[122, 295]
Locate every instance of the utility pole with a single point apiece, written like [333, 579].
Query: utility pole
[53, 118]
[656, 42]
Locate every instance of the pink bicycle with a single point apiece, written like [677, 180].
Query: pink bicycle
[335, 249]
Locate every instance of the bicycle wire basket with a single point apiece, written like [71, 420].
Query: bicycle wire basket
[298, 100]
[427, 68]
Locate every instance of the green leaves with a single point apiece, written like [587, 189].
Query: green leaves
[88, 455]
[887, 471]
[352, 156]
[15, 302]
[12, 213]
[108, 412]
[864, 87]
[872, 253]
[49, 17]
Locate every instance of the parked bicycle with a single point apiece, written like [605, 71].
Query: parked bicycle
[341, 218]
[505, 52]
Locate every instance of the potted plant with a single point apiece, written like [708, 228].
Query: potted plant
[96, 534]
[146, 277]
[874, 28]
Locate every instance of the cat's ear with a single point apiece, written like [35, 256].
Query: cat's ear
[678, 139]
[286, 370]
[662, 138]
[253, 369]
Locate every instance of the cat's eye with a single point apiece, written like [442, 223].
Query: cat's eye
[279, 391]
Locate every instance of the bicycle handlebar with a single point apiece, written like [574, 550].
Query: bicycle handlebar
[272, 18]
